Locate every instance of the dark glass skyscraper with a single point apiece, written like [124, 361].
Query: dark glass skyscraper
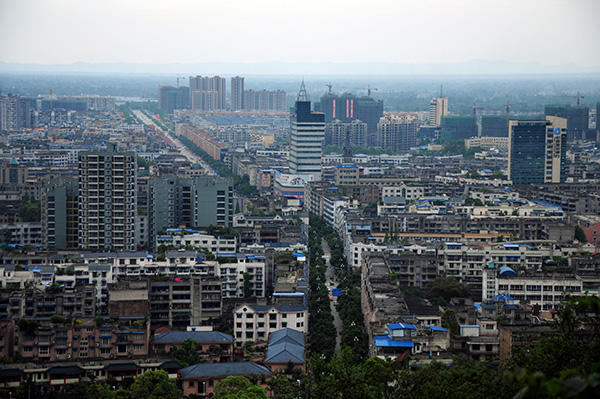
[537, 151]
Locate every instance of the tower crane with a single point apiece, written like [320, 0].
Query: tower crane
[578, 97]
[507, 107]
[170, 77]
[329, 86]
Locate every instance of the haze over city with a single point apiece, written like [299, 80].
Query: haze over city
[223, 199]
[536, 33]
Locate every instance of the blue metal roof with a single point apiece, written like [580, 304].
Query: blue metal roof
[507, 271]
[436, 328]
[401, 326]
[196, 336]
[386, 342]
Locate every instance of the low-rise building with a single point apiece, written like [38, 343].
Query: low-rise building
[254, 323]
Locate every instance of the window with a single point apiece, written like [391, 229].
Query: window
[284, 316]
[105, 351]
[44, 350]
[273, 316]
[191, 384]
[284, 325]
[138, 347]
[300, 314]
[105, 341]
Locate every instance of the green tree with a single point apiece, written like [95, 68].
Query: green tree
[247, 290]
[187, 354]
[236, 387]
[580, 234]
[154, 385]
[446, 288]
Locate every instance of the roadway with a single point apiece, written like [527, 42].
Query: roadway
[186, 152]
[337, 322]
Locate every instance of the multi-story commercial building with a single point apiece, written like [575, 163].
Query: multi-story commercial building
[107, 199]
[397, 133]
[308, 133]
[15, 113]
[354, 133]
[254, 323]
[438, 107]
[265, 100]
[207, 93]
[189, 202]
[171, 98]
[537, 151]
[237, 93]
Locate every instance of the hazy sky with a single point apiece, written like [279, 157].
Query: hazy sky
[403, 31]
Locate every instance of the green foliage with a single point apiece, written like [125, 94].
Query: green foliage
[154, 385]
[235, 387]
[247, 290]
[473, 202]
[450, 321]
[30, 211]
[187, 354]
[580, 234]
[446, 288]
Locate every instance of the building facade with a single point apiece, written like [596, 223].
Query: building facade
[107, 199]
[537, 151]
[308, 133]
[397, 133]
[207, 93]
[438, 107]
[237, 93]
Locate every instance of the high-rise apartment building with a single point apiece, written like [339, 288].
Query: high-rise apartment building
[60, 212]
[107, 199]
[197, 201]
[15, 113]
[438, 107]
[308, 133]
[237, 93]
[537, 150]
[339, 133]
[577, 119]
[170, 98]
[265, 100]
[397, 133]
[207, 84]
[347, 108]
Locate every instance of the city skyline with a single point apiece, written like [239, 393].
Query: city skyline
[552, 32]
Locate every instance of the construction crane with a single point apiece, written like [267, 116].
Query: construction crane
[170, 77]
[329, 86]
[507, 107]
[578, 97]
[369, 90]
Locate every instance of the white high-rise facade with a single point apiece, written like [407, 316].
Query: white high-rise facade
[308, 134]
[438, 107]
[107, 200]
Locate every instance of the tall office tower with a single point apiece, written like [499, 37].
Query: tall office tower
[15, 113]
[577, 119]
[348, 107]
[107, 199]
[60, 212]
[337, 132]
[397, 133]
[308, 133]
[265, 100]
[170, 98]
[198, 201]
[537, 149]
[237, 93]
[438, 107]
[207, 84]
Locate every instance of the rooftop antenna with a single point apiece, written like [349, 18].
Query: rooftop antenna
[441, 91]
[302, 96]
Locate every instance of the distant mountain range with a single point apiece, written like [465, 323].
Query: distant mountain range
[474, 67]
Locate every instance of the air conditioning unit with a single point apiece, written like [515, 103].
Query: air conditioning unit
[130, 352]
[69, 344]
[68, 356]
[112, 355]
[97, 343]
[53, 342]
